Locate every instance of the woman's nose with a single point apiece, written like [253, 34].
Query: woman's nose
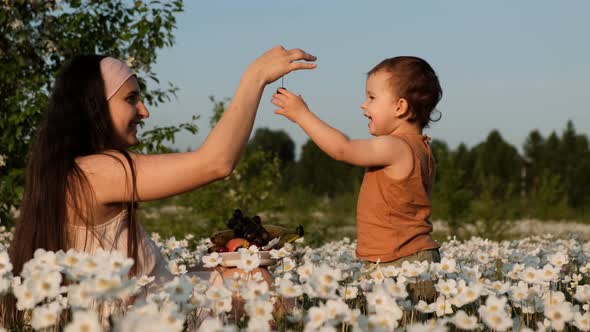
[143, 110]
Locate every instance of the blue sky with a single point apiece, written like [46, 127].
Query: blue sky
[507, 65]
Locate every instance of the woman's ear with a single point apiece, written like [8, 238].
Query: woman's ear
[401, 108]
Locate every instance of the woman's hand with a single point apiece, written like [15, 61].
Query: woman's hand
[278, 62]
[290, 105]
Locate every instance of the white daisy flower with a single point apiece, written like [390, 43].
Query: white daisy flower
[442, 306]
[378, 299]
[529, 275]
[45, 316]
[170, 318]
[423, 307]
[390, 271]
[145, 280]
[120, 264]
[559, 315]
[549, 273]
[84, 321]
[248, 262]
[26, 298]
[5, 265]
[324, 275]
[179, 289]
[447, 265]
[257, 325]
[377, 275]
[447, 288]
[107, 285]
[278, 254]
[497, 321]
[4, 284]
[582, 321]
[558, 259]
[397, 290]
[382, 322]
[499, 287]
[305, 271]
[337, 310]
[519, 293]
[582, 294]
[348, 292]
[176, 269]
[212, 325]
[48, 286]
[316, 317]
[215, 293]
[222, 305]
[259, 310]
[254, 290]
[553, 298]
[80, 296]
[287, 264]
[464, 321]
[288, 290]
[494, 313]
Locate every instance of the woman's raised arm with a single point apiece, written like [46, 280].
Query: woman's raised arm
[164, 175]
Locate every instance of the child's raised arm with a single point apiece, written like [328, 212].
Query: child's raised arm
[378, 151]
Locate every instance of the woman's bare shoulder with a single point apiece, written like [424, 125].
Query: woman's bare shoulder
[104, 161]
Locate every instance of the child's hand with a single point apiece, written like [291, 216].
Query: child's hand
[291, 105]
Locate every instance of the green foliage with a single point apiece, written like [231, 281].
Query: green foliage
[548, 199]
[218, 109]
[567, 157]
[322, 175]
[36, 37]
[152, 141]
[251, 186]
[322, 193]
[277, 142]
[494, 216]
[498, 159]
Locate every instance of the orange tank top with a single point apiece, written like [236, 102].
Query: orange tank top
[392, 214]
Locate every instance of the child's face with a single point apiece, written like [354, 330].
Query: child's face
[381, 104]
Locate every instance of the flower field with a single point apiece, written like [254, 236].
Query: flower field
[536, 283]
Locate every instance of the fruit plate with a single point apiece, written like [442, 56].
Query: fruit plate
[231, 259]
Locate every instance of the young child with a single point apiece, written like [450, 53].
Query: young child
[394, 202]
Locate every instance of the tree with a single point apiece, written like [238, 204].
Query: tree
[451, 198]
[36, 37]
[497, 159]
[277, 142]
[251, 187]
[575, 158]
[320, 174]
[534, 146]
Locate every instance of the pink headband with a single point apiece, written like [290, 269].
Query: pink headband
[114, 74]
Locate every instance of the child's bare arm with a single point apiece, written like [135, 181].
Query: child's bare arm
[378, 151]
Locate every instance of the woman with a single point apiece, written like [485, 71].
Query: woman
[82, 185]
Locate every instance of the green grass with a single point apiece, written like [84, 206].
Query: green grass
[323, 219]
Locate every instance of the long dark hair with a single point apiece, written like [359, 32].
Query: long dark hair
[76, 123]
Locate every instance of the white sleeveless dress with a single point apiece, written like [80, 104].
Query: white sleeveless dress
[151, 262]
[112, 235]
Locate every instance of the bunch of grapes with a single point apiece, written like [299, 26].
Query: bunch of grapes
[250, 229]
